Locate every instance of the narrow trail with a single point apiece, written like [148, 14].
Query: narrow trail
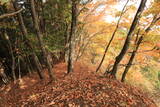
[81, 88]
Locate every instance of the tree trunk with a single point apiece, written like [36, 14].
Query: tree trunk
[27, 42]
[72, 37]
[63, 53]
[131, 59]
[155, 19]
[129, 35]
[12, 56]
[2, 74]
[66, 50]
[40, 40]
[112, 37]
[13, 60]
[29, 67]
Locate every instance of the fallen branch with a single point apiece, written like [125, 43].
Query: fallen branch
[10, 14]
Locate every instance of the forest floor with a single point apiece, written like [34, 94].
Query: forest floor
[81, 88]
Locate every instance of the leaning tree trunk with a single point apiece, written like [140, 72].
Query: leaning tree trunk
[129, 35]
[72, 37]
[131, 59]
[27, 42]
[155, 19]
[112, 37]
[40, 40]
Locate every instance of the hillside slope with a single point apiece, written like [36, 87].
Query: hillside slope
[82, 88]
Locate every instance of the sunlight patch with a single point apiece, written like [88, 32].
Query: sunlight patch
[22, 84]
[33, 97]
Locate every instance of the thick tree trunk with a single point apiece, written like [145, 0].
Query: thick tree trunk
[27, 42]
[129, 35]
[39, 36]
[72, 37]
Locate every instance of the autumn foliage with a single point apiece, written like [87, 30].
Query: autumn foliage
[79, 89]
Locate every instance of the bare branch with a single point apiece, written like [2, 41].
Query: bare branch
[10, 14]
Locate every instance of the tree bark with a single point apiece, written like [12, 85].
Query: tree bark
[13, 60]
[155, 19]
[40, 40]
[72, 37]
[3, 74]
[10, 14]
[131, 59]
[27, 42]
[112, 37]
[129, 35]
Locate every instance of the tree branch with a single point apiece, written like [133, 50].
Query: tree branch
[10, 14]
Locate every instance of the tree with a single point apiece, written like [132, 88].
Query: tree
[128, 38]
[89, 15]
[3, 74]
[72, 37]
[155, 19]
[40, 40]
[112, 37]
[27, 42]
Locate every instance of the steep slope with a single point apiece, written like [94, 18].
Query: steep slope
[82, 88]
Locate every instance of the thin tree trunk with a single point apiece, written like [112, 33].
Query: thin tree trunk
[63, 52]
[72, 37]
[13, 61]
[19, 68]
[67, 35]
[27, 42]
[112, 37]
[131, 59]
[3, 74]
[129, 35]
[39, 36]
[12, 56]
[42, 19]
[13, 64]
[29, 67]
